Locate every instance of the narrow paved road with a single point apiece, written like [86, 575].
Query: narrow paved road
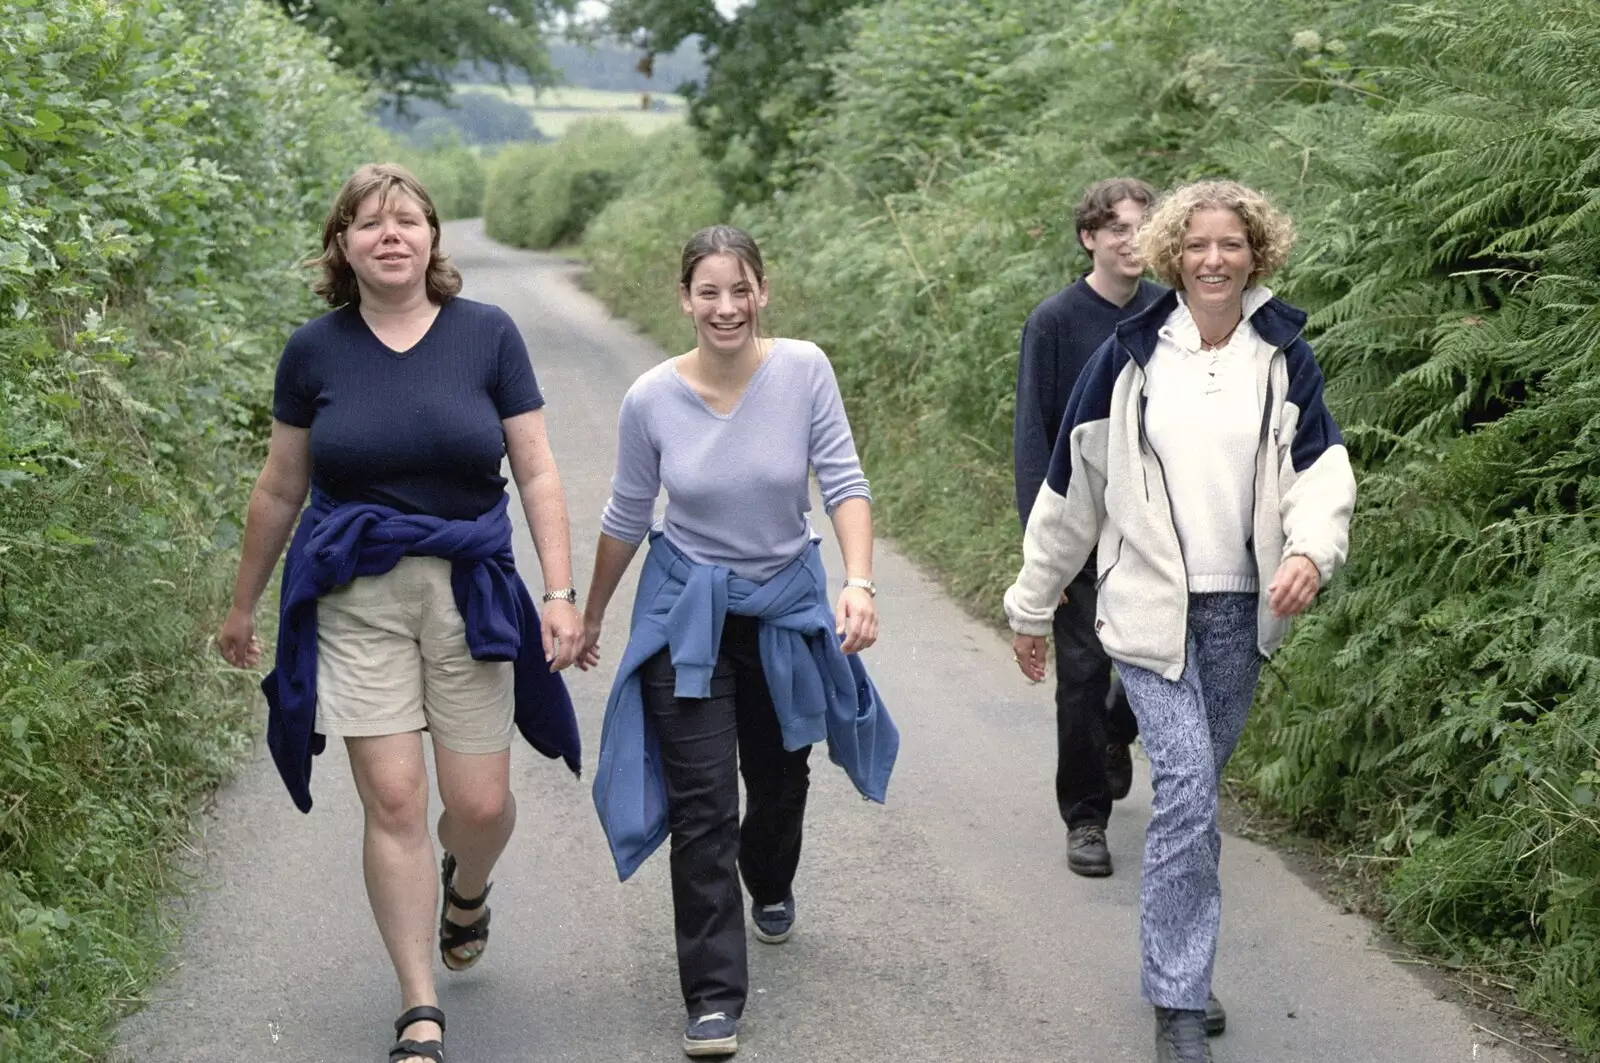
[943, 926]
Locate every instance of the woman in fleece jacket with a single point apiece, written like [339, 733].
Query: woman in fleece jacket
[1200, 458]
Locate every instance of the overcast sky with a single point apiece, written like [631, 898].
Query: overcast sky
[592, 8]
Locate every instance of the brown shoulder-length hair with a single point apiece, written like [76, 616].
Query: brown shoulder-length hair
[337, 284]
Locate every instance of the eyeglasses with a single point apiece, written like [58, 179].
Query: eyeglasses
[1120, 231]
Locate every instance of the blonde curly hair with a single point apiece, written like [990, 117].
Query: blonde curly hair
[1270, 231]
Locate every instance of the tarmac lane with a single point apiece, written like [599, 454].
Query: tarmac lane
[942, 926]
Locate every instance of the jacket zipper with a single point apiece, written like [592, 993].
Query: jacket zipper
[1266, 425]
[1144, 443]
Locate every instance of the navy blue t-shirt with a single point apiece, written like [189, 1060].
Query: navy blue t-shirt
[418, 430]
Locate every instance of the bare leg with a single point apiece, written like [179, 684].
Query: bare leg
[478, 817]
[397, 859]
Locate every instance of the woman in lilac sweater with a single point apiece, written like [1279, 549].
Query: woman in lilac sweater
[732, 430]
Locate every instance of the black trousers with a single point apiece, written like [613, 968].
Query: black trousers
[706, 744]
[1091, 710]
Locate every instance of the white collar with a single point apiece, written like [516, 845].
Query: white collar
[1182, 332]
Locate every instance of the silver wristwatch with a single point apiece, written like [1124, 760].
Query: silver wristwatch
[865, 584]
[565, 594]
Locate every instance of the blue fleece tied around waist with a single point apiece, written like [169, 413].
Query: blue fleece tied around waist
[818, 691]
[335, 544]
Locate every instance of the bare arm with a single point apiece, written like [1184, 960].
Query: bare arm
[856, 615]
[275, 502]
[611, 559]
[533, 467]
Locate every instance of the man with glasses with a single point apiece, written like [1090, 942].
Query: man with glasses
[1094, 725]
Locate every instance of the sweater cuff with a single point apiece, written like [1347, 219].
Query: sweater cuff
[1023, 620]
[1325, 568]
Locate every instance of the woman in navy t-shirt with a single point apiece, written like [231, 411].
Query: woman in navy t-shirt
[395, 411]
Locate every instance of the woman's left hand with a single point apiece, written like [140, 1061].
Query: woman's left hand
[1293, 588]
[563, 633]
[856, 619]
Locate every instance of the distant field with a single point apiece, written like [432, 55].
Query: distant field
[553, 110]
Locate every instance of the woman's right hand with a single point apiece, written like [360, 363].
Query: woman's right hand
[237, 639]
[589, 653]
[1029, 653]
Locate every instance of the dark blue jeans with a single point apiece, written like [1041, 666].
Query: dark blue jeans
[706, 744]
[1091, 711]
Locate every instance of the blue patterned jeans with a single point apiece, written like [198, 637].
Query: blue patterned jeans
[1189, 729]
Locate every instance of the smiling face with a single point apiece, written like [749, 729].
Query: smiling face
[1113, 246]
[389, 243]
[723, 298]
[1217, 260]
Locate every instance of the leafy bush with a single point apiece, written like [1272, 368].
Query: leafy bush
[545, 195]
[452, 173]
[1442, 708]
[633, 245]
[161, 169]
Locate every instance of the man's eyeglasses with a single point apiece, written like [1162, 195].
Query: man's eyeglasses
[1120, 231]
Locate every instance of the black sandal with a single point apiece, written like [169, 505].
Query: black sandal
[405, 1047]
[453, 935]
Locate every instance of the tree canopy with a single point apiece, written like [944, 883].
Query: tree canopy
[767, 74]
[408, 48]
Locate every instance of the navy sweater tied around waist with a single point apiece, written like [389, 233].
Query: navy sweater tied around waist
[335, 544]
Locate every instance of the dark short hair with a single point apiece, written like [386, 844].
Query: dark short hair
[1098, 207]
[337, 284]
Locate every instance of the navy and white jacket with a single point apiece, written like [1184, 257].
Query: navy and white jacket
[1106, 488]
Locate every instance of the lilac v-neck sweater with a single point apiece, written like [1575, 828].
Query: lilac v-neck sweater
[737, 484]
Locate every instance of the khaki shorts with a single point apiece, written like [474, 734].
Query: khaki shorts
[392, 657]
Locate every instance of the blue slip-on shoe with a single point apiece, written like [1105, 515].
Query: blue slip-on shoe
[774, 922]
[710, 1035]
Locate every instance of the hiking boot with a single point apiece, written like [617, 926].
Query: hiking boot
[1216, 1018]
[774, 922]
[1119, 770]
[710, 1035]
[1181, 1036]
[1087, 854]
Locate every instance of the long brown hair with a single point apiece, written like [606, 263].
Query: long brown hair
[714, 240]
[338, 284]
